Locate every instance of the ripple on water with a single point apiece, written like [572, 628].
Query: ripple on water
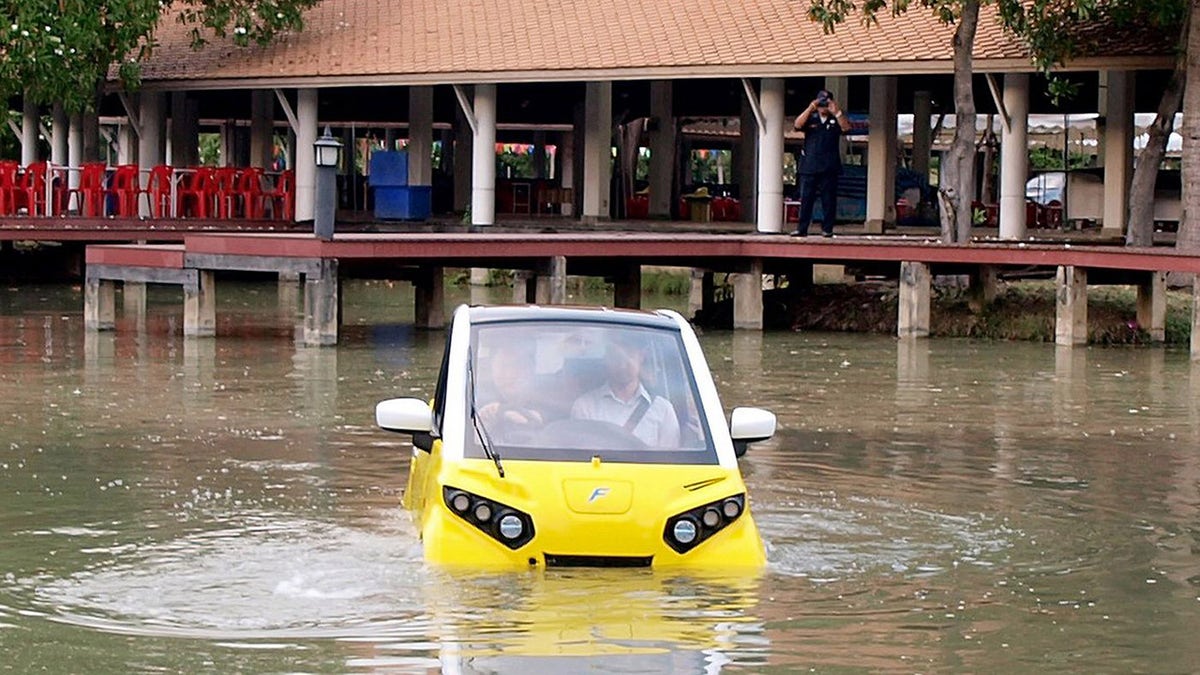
[826, 539]
[302, 579]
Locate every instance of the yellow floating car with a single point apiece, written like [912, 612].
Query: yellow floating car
[569, 437]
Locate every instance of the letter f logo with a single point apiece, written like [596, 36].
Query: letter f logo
[597, 494]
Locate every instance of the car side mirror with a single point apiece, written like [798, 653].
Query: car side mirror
[407, 416]
[750, 425]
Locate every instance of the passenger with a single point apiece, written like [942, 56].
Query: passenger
[623, 400]
[511, 413]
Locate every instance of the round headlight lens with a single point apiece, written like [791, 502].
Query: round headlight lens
[460, 502]
[483, 512]
[710, 518]
[511, 527]
[731, 508]
[684, 531]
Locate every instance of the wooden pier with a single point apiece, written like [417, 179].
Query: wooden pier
[544, 261]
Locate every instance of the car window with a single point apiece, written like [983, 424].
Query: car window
[571, 390]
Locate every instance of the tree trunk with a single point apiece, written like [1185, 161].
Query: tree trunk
[1188, 238]
[958, 189]
[1145, 174]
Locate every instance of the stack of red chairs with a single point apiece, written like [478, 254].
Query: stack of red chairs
[29, 192]
[249, 193]
[90, 193]
[158, 191]
[282, 197]
[225, 192]
[637, 207]
[197, 190]
[8, 183]
[124, 187]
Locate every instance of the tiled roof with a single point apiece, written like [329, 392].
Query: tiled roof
[409, 41]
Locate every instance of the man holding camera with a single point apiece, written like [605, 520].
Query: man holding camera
[823, 124]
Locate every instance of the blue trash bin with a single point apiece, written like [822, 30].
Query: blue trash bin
[395, 199]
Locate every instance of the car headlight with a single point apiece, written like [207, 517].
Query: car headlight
[501, 522]
[689, 529]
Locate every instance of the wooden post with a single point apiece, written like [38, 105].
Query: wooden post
[914, 300]
[321, 305]
[99, 305]
[747, 298]
[627, 287]
[431, 298]
[1152, 305]
[1070, 324]
[200, 305]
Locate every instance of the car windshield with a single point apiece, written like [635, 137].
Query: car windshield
[568, 391]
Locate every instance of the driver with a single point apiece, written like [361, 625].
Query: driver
[623, 400]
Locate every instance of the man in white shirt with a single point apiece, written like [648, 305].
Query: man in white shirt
[623, 401]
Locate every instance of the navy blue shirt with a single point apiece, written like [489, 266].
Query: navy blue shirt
[822, 144]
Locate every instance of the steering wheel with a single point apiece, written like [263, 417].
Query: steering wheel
[592, 434]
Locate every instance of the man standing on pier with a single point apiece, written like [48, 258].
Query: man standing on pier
[823, 124]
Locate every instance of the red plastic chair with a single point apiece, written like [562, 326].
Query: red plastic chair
[8, 184]
[249, 193]
[29, 193]
[197, 190]
[282, 197]
[225, 190]
[158, 191]
[124, 186]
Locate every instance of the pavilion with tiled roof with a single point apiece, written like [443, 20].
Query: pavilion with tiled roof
[576, 67]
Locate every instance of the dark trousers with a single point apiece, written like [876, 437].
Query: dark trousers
[813, 184]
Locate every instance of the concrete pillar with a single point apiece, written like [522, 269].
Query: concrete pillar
[524, 287]
[747, 298]
[127, 144]
[662, 147]
[922, 140]
[1152, 305]
[914, 300]
[306, 161]
[745, 163]
[881, 155]
[770, 159]
[133, 298]
[200, 305]
[566, 159]
[483, 157]
[74, 156]
[99, 305]
[552, 282]
[30, 119]
[420, 136]
[152, 117]
[321, 293]
[288, 298]
[1195, 340]
[985, 283]
[1014, 156]
[60, 128]
[463, 151]
[431, 298]
[1070, 320]
[262, 128]
[597, 151]
[696, 293]
[627, 287]
[1117, 116]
